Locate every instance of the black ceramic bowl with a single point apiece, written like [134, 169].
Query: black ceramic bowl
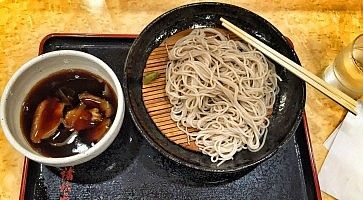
[288, 107]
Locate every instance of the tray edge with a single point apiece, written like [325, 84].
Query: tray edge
[82, 35]
[311, 157]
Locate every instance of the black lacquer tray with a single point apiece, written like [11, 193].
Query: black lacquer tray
[131, 169]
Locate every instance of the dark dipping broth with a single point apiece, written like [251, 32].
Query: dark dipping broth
[86, 106]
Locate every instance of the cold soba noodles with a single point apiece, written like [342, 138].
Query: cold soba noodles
[224, 88]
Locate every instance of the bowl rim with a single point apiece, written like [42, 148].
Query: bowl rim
[92, 152]
[170, 155]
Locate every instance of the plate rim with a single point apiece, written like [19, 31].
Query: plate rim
[170, 155]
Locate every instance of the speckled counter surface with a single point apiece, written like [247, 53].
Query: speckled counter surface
[318, 29]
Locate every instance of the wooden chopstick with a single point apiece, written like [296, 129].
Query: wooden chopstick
[296, 69]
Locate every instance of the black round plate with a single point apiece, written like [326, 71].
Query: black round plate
[288, 107]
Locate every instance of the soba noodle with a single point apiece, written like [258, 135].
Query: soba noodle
[223, 88]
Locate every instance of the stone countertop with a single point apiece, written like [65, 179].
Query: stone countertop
[318, 29]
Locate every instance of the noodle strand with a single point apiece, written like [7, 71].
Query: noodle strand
[223, 88]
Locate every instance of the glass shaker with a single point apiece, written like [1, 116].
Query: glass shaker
[346, 72]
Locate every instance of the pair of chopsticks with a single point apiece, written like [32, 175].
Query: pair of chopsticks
[330, 91]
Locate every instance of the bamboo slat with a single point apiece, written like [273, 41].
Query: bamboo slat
[155, 99]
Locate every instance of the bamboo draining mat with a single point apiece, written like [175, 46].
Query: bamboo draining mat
[155, 99]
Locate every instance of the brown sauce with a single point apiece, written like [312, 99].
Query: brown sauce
[67, 87]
